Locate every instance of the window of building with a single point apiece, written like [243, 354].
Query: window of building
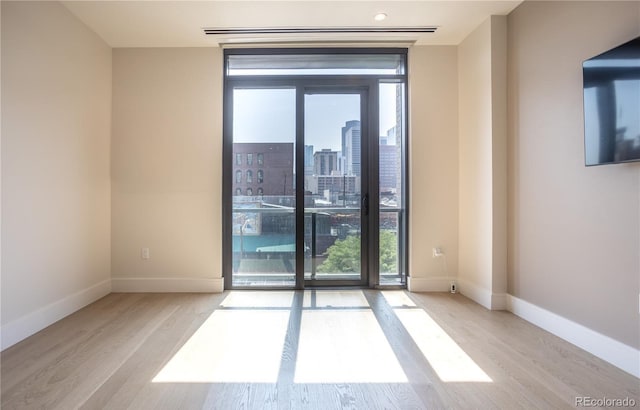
[238, 159]
[238, 191]
[249, 177]
[260, 191]
[238, 176]
[260, 159]
[260, 176]
[249, 192]
[249, 159]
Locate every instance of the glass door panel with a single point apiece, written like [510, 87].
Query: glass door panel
[392, 215]
[332, 182]
[263, 201]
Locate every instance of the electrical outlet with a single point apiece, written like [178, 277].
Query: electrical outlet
[144, 253]
[437, 252]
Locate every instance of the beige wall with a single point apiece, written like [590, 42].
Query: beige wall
[166, 164]
[167, 168]
[499, 156]
[482, 182]
[574, 236]
[56, 125]
[433, 161]
[475, 184]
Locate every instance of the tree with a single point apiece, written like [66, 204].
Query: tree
[344, 254]
[388, 252]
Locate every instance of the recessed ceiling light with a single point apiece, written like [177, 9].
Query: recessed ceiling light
[380, 17]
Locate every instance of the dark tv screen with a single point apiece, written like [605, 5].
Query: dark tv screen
[612, 105]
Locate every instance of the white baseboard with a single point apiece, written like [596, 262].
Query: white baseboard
[618, 354]
[429, 284]
[482, 296]
[168, 285]
[19, 329]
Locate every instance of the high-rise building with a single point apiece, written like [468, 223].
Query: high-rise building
[325, 162]
[347, 125]
[351, 150]
[388, 168]
[308, 160]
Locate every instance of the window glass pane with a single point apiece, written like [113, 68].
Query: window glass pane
[333, 231]
[316, 64]
[392, 214]
[263, 230]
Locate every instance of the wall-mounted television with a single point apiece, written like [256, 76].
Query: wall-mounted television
[612, 105]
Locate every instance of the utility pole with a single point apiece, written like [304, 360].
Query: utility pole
[344, 190]
[284, 185]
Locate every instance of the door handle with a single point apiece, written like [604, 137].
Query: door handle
[365, 204]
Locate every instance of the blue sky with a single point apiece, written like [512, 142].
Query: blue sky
[268, 115]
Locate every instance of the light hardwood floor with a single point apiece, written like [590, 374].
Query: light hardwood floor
[343, 349]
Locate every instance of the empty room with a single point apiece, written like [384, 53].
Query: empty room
[316, 204]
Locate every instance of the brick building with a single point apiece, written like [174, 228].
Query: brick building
[263, 169]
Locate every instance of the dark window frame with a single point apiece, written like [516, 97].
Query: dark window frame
[327, 83]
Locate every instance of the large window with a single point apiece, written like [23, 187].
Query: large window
[315, 148]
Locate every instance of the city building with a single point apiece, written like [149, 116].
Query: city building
[351, 148]
[325, 162]
[333, 187]
[308, 160]
[388, 171]
[263, 169]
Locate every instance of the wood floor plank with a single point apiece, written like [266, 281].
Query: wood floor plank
[506, 365]
[44, 347]
[87, 363]
[107, 355]
[552, 368]
[134, 375]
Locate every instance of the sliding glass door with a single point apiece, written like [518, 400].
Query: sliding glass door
[334, 202]
[314, 168]
[263, 202]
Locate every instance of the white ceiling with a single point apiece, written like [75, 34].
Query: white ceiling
[180, 23]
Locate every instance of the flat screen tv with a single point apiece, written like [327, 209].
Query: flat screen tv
[612, 105]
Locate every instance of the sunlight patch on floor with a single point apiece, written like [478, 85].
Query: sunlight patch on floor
[345, 346]
[258, 299]
[231, 346]
[398, 298]
[334, 298]
[449, 361]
